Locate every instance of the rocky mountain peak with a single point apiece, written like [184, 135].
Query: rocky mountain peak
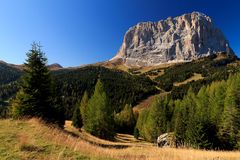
[179, 39]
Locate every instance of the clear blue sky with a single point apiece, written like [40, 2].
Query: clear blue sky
[75, 32]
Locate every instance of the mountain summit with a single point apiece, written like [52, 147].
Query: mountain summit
[179, 39]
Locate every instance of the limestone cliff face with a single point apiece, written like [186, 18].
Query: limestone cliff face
[178, 39]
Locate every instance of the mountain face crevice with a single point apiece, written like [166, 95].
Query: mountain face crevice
[178, 39]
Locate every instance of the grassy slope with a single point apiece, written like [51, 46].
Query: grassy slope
[30, 139]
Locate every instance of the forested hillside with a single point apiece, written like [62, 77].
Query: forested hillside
[8, 74]
[121, 87]
[212, 68]
[8, 77]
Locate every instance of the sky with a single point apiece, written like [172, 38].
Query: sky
[77, 32]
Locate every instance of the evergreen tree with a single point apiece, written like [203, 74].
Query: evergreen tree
[156, 120]
[230, 124]
[217, 93]
[83, 107]
[99, 120]
[152, 122]
[141, 122]
[183, 115]
[189, 102]
[179, 122]
[125, 120]
[35, 97]
[77, 118]
[202, 131]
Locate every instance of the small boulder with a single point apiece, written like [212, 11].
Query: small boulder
[166, 140]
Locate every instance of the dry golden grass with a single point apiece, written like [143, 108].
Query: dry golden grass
[149, 151]
[75, 144]
[195, 77]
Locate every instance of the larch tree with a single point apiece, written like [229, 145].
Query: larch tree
[77, 118]
[99, 114]
[83, 107]
[230, 123]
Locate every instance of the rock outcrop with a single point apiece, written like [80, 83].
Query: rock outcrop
[178, 39]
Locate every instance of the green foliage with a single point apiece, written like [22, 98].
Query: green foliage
[208, 119]
[77, 118]
[35, 97]
[121, 87]
[180, 121]
[8, 80]
[83, 107]
[155, 121]
[99, 114]
[210, 68]
[136, 133]
[8, 90]
[80, 113]
[8, 74]
[217, 94]
[142, 118]
[125, 120]
[230, 122]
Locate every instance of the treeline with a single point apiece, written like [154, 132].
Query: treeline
[209, 119]
[121, 87]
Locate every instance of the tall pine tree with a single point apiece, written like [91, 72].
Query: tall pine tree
[99, 120]
[35, 97]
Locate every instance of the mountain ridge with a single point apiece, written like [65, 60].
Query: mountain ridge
[54, 66]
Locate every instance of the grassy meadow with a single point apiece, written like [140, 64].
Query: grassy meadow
[31, 139]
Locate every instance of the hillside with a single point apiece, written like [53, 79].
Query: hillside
[120, 86]
[30, 139]
[8, 73]
[177, 78]
[8, 82]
